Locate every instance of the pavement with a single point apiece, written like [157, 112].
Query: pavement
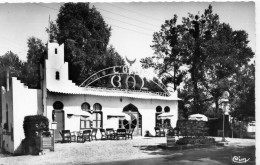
[139, 150]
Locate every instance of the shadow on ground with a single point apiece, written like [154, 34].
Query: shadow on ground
[221, 154]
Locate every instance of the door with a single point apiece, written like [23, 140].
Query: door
[60, 123]
[133, 123]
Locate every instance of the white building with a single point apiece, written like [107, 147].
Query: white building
[67, 105]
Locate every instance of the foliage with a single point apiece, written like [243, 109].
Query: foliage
[167, 59]
[195, 140]
[173, 131]
[240, 129]
[208, 56]
[244, 102]
[35, 57]
[192, 127]
[34, 125]
[85, 35]
[10, 61]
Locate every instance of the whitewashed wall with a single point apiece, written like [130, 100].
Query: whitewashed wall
[21, 102]
[146, 107]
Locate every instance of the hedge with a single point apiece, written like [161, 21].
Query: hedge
[192, 127]
[34, 125]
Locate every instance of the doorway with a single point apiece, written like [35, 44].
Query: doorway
[135, 121]
[60, 123]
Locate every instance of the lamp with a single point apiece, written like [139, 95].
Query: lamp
[224, 103]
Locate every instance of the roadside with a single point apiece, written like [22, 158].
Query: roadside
[112, 151]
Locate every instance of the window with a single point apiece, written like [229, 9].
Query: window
[158, 122]
[57, 75]
[97, 116]
[167, 109]
[120, 123]
[85, 106]
[58, 105]
[56, 51]
[158, 109]
[84, 122]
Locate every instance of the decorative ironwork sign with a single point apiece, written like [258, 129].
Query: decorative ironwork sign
[127, 76]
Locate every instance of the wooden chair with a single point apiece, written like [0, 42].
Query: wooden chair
[110, 133]
[94, 133]
[66, 136]
[84, 136]
[129, 133]
[162, 132]
[80, 137]
[103, 134]
[157, 131]
[73, 136]
[121, 133]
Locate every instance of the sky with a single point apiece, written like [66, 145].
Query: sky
[133, 24]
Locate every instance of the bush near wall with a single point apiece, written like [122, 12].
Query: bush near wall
[34, 125]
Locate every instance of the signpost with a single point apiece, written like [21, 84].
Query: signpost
[225, 108]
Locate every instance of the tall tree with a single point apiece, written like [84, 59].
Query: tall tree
[212, 53]
[86, 36]
[229, 55]
[35, 57]
[167, 58]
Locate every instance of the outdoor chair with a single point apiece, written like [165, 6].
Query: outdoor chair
[103, 134]
[110, 133]
[162, 132]
[129, 133]
[157, 131]
[84, 136]
[121, 133]
[73, 137]
[80, 137]
[66, 136]
[94, 133]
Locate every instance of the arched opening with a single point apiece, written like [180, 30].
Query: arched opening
[84, 121]
[158, 122]
[166, 109]
[85, 106]
[58, 117]
[135, 121]
[97, 116]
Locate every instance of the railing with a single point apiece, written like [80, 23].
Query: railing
[129, 90]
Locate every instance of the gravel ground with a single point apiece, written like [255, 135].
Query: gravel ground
[101, 151]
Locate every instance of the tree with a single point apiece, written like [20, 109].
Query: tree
[243, 102]
[211, 53]
[85, 35]
[35, 57]
[10, 61]
[168, 56]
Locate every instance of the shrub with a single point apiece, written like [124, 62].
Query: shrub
[34, 125]
[173, 132]
[192, 127]
[195, 140]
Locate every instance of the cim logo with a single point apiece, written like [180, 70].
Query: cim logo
[239, 159]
